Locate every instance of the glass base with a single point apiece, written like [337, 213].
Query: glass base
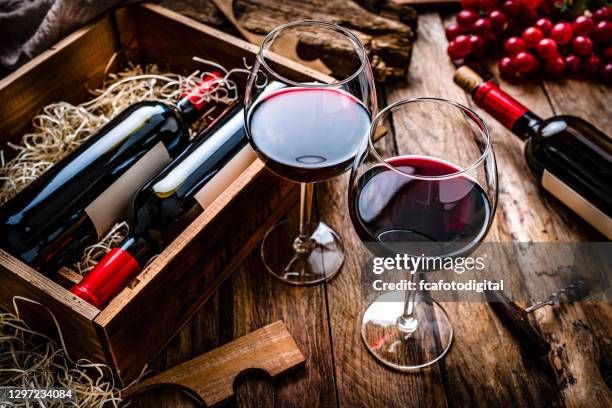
[320, 262]
[406, 345]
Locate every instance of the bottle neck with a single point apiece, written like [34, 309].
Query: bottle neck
[115, 271]
[507, 110]
[191, 106]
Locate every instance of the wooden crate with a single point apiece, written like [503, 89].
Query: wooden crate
[141, 319]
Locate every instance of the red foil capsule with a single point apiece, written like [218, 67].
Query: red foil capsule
[195, 95]
[499, 104]
[108, 278]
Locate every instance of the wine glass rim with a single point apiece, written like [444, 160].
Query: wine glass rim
[482, 124]
[360, 49]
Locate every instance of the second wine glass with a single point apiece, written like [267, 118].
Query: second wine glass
[307, 131]
[432, 198]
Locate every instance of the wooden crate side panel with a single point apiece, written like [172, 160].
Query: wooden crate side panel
[58, 74]
[74, 316]
[196, 263]
[166, 36]
[124, 20]
[172, 39]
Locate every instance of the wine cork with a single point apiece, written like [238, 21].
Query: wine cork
[467, 79]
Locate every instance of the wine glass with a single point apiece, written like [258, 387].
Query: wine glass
[434, 197]
[307, 131]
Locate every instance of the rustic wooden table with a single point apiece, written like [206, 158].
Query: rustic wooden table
[485, 366]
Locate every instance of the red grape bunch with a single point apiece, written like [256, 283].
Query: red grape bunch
[536, 37]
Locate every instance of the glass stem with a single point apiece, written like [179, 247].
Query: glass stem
[407, 322]
[303, 244]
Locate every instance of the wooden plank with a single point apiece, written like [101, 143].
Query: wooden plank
[477, 376]
[588, 100]
[45, 78]
[211, 376]
[72, 314]
[256, 298]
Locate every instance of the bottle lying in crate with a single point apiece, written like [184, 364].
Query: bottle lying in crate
[170, 201]
[572, 158]
[76, 201]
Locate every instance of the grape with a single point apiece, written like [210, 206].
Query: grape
[498, 21]
[452, 31]
[512, 8]
[506, 69]
[555, 67]
[489, 39]
[531, 4]
[527, 16]
[603, 14]
[606, 73]
[583, 25]
[513, 46]
[547, 48]
[524, 62]
[546, 9]
[591, 66]
[460, 47]
[562, 33]
[466, 18]
[532, 36]
[544, 25]
[582, 45]
[478, 45]
[603, 31]
[488, 5]
[534, 42]
[482, 25]
[607, 54]
[469, 4]
[572, 64]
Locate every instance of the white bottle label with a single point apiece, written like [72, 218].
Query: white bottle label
[578, 204]
[225, 177]
[111, 205]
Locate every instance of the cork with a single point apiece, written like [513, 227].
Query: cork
[467, 79]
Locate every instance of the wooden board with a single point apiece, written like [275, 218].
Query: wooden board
[210, 377]
[486, 366]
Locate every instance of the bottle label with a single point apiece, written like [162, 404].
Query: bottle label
[111, 205]
[225, 177]
[578, 203]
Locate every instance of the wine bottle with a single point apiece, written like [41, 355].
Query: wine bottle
[78, 199]
[572, 158]
[170, 201]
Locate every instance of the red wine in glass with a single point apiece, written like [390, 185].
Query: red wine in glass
[389, 206]
[308, 134]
